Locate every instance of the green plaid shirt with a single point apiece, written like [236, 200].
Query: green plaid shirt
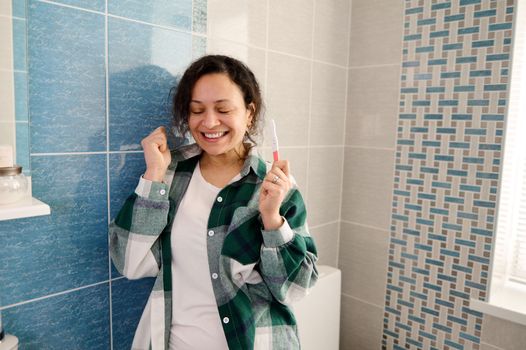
[260, 272]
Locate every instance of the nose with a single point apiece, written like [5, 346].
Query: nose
[211, 120]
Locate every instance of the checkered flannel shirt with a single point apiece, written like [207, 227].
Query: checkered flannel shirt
[260, 272]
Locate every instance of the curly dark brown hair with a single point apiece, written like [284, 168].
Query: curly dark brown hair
[237, 71]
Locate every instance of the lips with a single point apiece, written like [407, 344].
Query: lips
[213, 136]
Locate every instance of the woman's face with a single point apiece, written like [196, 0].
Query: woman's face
[218, 116]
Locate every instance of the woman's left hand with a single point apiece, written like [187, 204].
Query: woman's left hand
[275, 186]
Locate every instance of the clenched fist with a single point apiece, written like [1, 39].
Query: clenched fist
[156, 154]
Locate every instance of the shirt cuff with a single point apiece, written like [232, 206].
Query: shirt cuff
[278, 237]
[152, 189]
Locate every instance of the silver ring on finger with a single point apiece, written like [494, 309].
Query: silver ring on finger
[275, 179]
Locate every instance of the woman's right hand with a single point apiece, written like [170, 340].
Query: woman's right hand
[156, 154]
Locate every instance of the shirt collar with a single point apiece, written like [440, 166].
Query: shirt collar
[253, 161]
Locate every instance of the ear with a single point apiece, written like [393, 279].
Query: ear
[251, 108]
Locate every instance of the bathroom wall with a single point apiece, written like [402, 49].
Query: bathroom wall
[303, 76]
[370, 139]
[422, 160]
[100, 72]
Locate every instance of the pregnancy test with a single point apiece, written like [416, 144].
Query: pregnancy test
[274, 141]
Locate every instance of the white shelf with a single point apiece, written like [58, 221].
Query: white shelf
[26, 208]
[508, 303]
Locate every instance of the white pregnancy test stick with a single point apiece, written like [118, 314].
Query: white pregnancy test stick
[275, 152]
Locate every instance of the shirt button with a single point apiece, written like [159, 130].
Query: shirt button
[226, 320]
[162, 192]
[219, 199]
[214, 275]
[210, 233]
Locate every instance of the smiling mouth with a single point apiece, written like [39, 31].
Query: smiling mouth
[213, 135]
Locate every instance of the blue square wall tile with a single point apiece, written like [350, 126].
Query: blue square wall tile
[19, 8]
[64, 250]
[95, 5]
[21, 96]
[22, 146]
[75, 320]
[19, 44]
[67, 81]
[170, 13]
[145, 62]
[128, 301]
[125, 171]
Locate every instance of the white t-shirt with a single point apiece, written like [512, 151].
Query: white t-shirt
[195, 320]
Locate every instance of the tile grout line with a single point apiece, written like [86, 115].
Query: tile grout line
[68, 291]
[108, 187]
[362, 301]
[265, 78]
[372, 148]
[374, 66]
[365, 225]
[12, 17]
[284, 53]
[50, 2]
[311, 79]
[346, 101]
[82, 153]
[122, 18]
[324, 224]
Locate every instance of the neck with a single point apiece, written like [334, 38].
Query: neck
[230, 159]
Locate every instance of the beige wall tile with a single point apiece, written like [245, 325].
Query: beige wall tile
[6, 46]
[503, 334]
[328, 105]
[252, 57]
[361, 325]
[238, 20]
[363, 260]
[376, 32]
[298, 158]
[331, 35]
[484, 346]
[367, 186]
[324, 185]
[7, 103]
[326, 239]
[372, 112]
[288, 86]
[290, 26]
[5, 7]
[7, 133]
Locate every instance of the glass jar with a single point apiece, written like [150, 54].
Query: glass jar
[13, 184]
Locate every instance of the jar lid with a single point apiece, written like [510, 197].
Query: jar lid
[10, 170]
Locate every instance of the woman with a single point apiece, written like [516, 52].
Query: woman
[226, 239]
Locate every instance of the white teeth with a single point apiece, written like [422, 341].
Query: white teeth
[214, 135]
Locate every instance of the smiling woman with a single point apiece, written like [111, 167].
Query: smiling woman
[226, 238]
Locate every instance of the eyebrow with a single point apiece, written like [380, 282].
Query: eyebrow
[218, 101]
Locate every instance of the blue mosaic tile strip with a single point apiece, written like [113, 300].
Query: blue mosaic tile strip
[199, 19]
[456, 58]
